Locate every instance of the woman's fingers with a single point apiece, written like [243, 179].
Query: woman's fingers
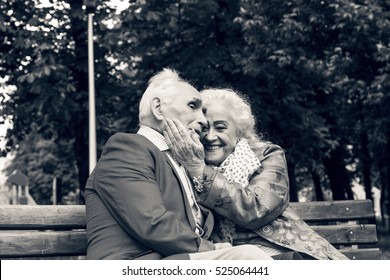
[179, 134]
[175, 140]
[168, 139]
[185, 144]
[169, 132]
[182, 130]
[195, 137]
[197, 146]
[174, 131]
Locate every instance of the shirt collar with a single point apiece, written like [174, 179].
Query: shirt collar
[154, 136]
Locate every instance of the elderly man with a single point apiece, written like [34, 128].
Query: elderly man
[139, 200]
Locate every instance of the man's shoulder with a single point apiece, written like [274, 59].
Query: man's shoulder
[130, 140]
[127, 136]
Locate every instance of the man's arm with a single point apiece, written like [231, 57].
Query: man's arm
[125, 181]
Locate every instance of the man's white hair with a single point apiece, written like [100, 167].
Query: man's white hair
[158, 86]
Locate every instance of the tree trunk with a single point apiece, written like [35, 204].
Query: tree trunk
[338, 175]
[384, 196]
[317, 186]
[366, 162]
[387, 160]
[81, 149]
[293, 183]
[79, 69]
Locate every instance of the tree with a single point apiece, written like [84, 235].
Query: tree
[362, 26]
[43, 160]
[316, 72]
[49, 45]
[321, 58]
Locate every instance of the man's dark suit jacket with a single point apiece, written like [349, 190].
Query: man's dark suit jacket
[136, 206]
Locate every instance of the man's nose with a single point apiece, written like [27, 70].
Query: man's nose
[201, 119]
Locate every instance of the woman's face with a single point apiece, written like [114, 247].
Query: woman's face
[220, 137]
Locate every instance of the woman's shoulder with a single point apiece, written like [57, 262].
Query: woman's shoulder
[266, 148]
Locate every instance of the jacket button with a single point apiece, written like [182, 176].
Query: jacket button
[218, 202]
[285, 242]
[266, 229]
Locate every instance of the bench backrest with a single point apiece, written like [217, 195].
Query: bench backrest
[59, 230]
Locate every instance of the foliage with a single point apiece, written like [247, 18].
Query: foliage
[44, 55]
[43, 160]
[317, 73]
[320, 58]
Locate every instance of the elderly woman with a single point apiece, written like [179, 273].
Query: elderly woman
[245, 181]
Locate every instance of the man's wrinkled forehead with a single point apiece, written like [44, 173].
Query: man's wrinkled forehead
[190, 92]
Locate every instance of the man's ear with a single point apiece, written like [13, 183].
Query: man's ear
[156, 108]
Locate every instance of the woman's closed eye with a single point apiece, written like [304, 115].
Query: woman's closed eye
[220, 128]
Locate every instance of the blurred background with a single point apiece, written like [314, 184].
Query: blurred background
[317, 74]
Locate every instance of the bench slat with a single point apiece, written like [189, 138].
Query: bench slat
[334, 210]
[22, 228]
[42, 216]
[362, 254]
[73, 216]
[348, 234]
[57, 243]
[38, 243]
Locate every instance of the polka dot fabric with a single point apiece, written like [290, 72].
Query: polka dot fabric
[241, 164]
[238, 167]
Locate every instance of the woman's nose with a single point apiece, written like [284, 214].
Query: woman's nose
[210, 135]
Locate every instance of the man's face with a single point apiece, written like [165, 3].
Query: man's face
[186, 106]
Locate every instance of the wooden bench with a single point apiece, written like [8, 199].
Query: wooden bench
[46, 232]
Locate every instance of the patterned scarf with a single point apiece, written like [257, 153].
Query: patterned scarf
[238, 167]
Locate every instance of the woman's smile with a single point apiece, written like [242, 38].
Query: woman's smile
[210, 148]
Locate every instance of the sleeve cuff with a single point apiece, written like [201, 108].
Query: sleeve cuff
[212, 188]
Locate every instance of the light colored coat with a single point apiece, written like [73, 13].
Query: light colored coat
[260, 211]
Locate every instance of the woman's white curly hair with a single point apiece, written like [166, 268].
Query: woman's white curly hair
[239, 108]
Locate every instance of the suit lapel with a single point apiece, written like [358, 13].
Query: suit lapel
[187, 204]
[209, 222]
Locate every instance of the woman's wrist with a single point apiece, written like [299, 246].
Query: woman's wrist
[197, 176]
[198, 183]
[196, 170]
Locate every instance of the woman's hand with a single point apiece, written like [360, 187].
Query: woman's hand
[185, 146]
[223, 245]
